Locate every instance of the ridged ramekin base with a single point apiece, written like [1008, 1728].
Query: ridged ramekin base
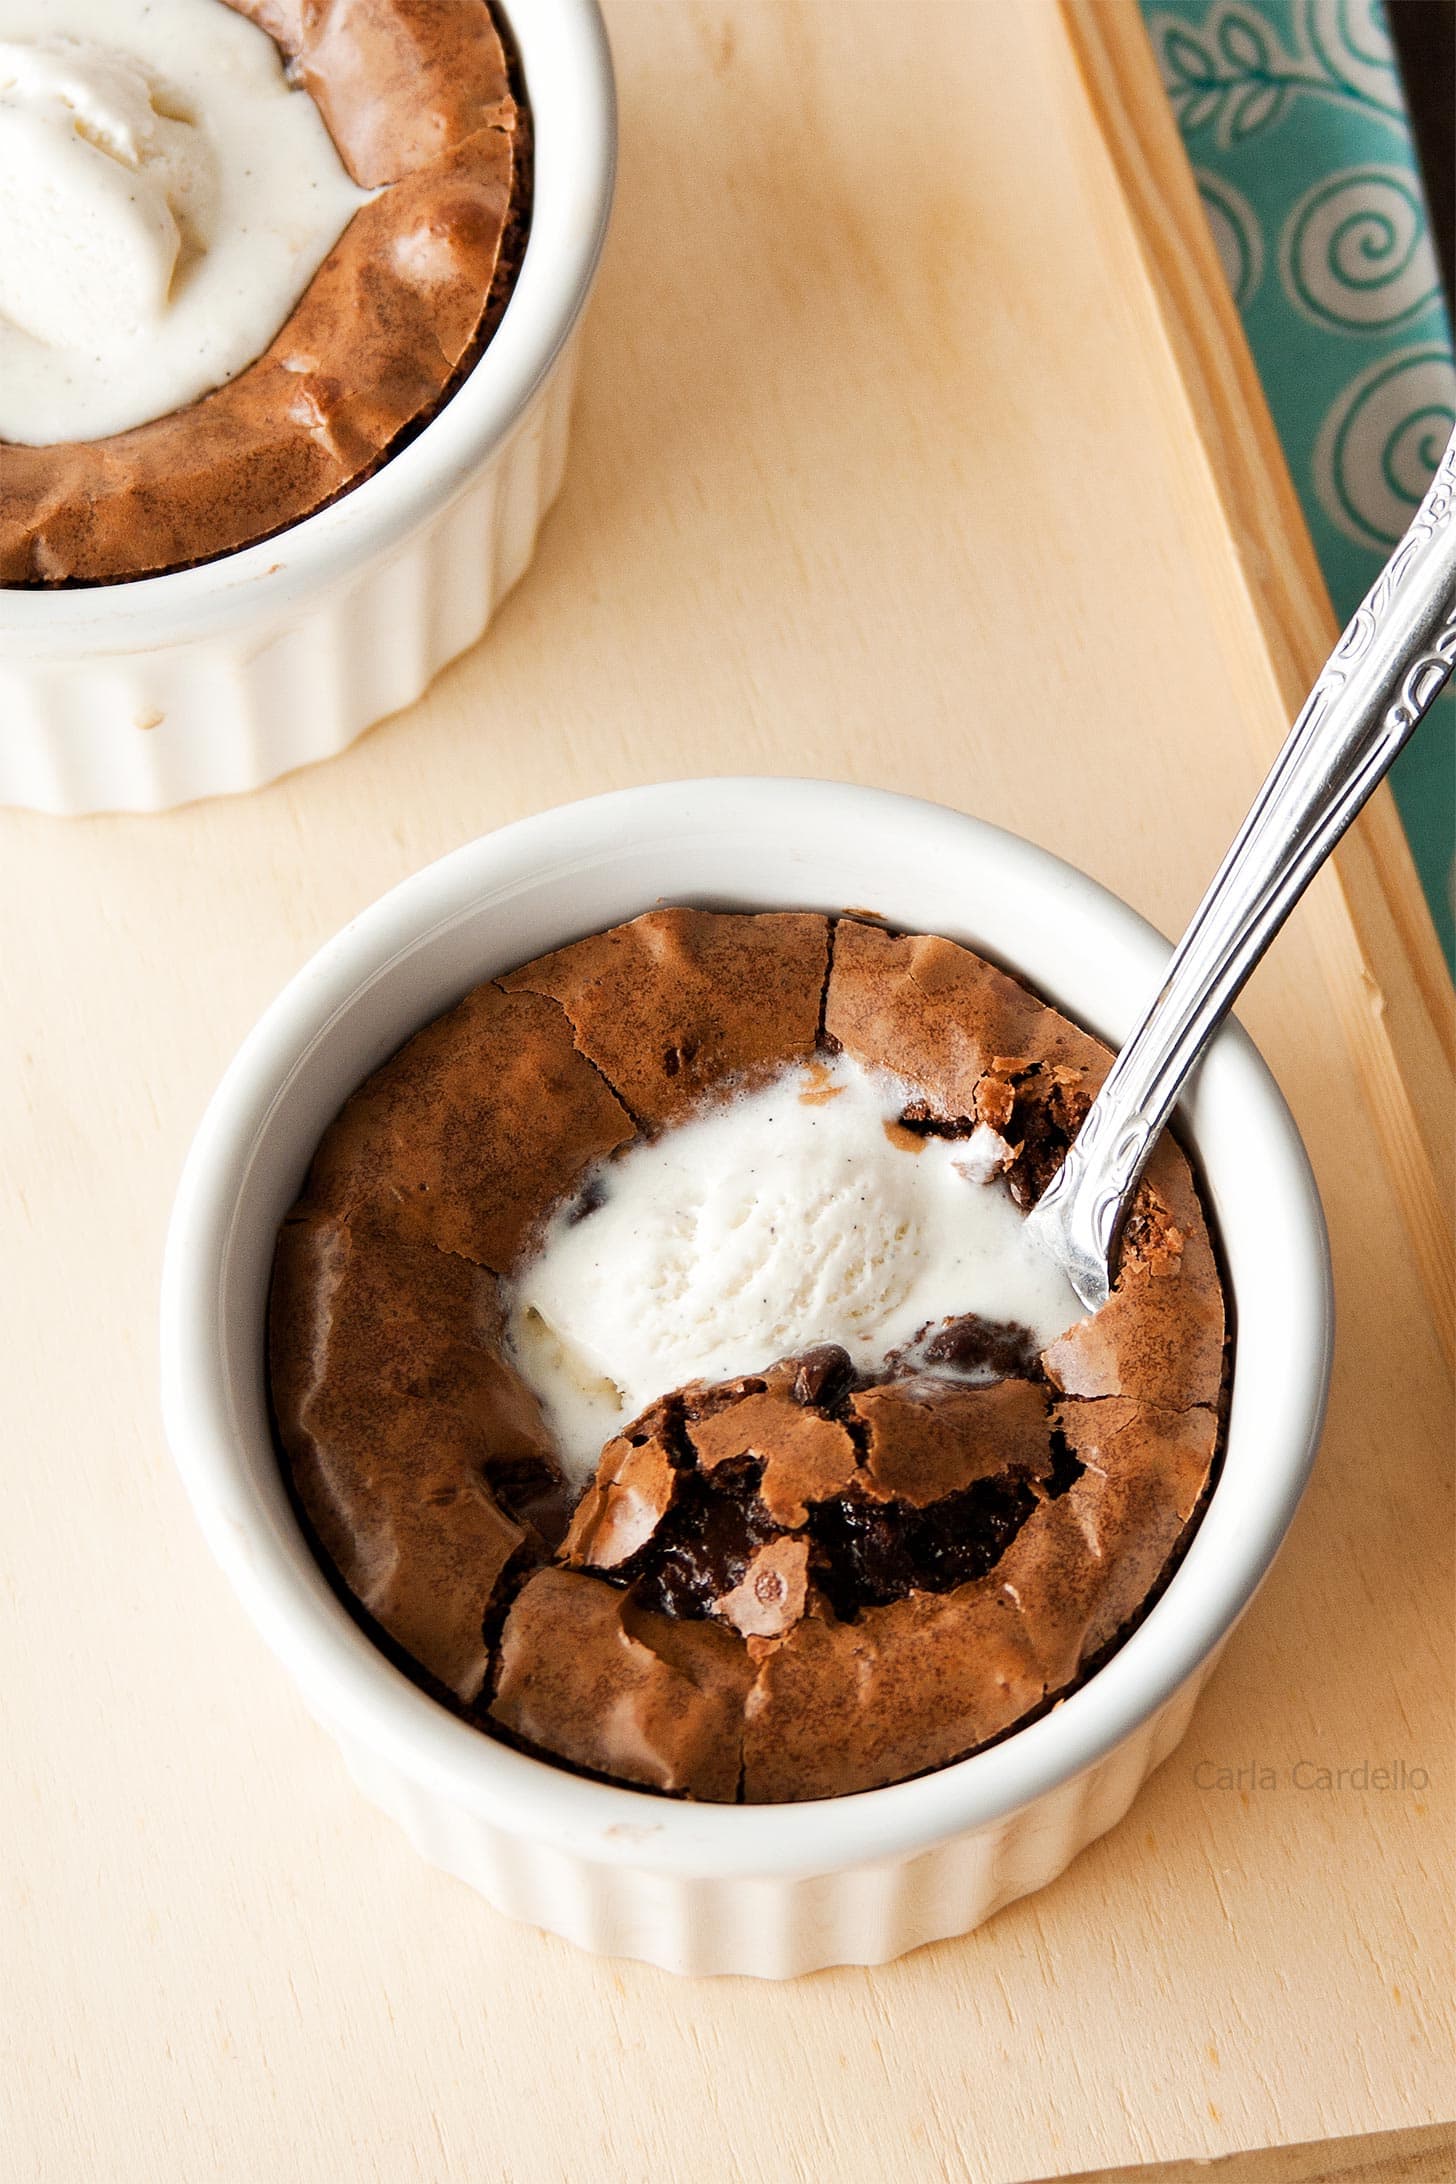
[778, 1928]
[213, 714]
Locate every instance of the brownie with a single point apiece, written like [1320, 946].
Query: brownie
[677, 1002]
[808, 1581]
[419, 99]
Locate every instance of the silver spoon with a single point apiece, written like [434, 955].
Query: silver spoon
[1382, 678]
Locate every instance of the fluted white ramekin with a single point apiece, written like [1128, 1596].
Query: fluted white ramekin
[769, 1890]
[142, 695]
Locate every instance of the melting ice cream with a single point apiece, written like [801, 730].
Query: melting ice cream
[777, 1219]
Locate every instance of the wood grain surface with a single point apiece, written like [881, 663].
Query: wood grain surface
[1376, 2157]
[883, 470]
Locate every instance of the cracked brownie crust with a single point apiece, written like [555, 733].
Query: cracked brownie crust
[796, 1584]
[417, 96]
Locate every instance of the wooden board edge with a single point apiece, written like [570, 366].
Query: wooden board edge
[1377, 944]
[1424, 2155]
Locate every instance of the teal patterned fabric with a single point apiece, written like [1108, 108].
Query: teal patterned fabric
[1294, 119]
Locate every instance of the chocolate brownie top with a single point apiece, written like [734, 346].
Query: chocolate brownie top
[800, 1583]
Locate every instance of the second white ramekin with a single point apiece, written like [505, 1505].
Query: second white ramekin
[143, 695]
[771, 1890]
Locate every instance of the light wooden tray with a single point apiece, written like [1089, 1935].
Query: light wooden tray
[918, 444]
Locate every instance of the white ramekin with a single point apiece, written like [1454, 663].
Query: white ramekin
[139, 696]
[772, 1890]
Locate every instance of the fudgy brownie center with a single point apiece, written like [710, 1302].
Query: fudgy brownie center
[864, 1548]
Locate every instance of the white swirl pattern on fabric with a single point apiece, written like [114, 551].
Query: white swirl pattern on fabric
[1380, 441]
[1355, 250]
[1351, 39]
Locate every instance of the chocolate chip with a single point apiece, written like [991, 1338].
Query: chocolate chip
[972, 1344]
[824, 1374]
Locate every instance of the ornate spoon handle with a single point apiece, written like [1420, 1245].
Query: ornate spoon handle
[1383, 676]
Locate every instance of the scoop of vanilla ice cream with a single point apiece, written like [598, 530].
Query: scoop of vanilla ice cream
[97, 189]
[165, 198]
[768, 1223]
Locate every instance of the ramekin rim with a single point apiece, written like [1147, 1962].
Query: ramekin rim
[371, 518]
[359, 1693]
